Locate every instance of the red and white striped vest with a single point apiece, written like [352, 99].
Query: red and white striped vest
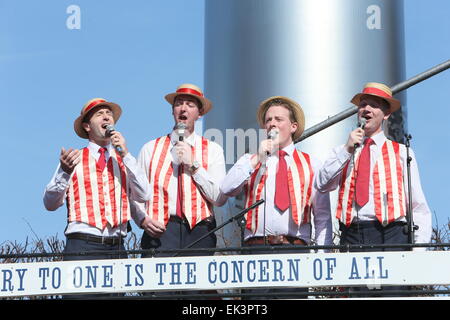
[195, 207]
[300, 181]
[97, 198]
[389, 190]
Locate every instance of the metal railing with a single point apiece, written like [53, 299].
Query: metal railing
[242, 293]
[235, 250]
[353, 109]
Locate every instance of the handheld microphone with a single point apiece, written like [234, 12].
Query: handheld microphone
[109, 131]
[272, 135]
[361, 124]
[180, 129]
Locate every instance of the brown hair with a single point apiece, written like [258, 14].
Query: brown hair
[282, 103]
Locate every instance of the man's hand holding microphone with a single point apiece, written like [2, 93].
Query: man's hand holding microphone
[356, 137]
[117, 140]
[266, 148]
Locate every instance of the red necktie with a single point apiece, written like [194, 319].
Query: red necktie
[180, 192]
[101, 162]
[363, 174]
[281, 183]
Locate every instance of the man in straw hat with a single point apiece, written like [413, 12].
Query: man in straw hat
[371, 173]
[184, 170]
[97, 183]
[283, 176]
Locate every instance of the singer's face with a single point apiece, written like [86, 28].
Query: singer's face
[374, 110]
[186, 110]
[95, 123]
[279, 117]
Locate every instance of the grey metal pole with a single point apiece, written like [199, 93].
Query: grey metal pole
[353, 109]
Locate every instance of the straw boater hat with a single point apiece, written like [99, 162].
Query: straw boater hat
[90, 105]
[297, 111]
[378, 90]
[194, 91]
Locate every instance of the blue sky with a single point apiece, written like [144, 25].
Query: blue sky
[134, 53]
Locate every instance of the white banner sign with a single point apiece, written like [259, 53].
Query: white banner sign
[225, 272]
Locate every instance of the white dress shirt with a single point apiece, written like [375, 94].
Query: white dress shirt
[270, 220]
[208, 181]
[139, 190]
[329, 179]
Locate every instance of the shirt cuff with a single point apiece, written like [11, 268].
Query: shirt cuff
[199, 174]
[343, 155]
[129, 160]
[247, 166]
[137, 214]
[62, 179]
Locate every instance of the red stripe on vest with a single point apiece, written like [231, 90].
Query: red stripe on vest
[250, 198]
[112, 192]
[399, 178]
[204, 204]
[292, 197]
[193, 194]
[88, 187]
[101, 197]
[157, 174]
[377, 195]
[166, 193]
[388, 181]
[123, 185]
[307, 210]
[76, 192]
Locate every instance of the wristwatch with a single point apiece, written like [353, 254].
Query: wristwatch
[194, 167]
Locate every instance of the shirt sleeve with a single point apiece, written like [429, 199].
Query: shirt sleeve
[420, 211]
[209, 180]
[137, 210]
[321, 211]
[329, 175]
[237, 176]
[55, 191]
[139, 186]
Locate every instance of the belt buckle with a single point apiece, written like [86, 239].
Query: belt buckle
[278, 239]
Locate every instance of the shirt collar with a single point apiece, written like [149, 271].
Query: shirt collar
[379, 138]
[289, 149]
[174, 138]
[93, 148]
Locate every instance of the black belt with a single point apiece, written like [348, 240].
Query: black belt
[369, 224]
[183, 220]
[111, 241]
[274, 240]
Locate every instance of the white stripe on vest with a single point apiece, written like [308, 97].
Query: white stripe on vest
[94, 197]
[300, 180]
[195, 207]
[389, 195]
